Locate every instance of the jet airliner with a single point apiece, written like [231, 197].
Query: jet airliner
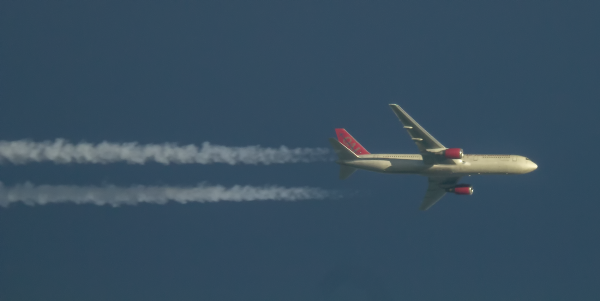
[441, 165]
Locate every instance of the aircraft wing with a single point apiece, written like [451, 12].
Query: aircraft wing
[436, 190]
[425, 142]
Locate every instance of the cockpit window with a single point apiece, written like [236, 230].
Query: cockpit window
[527, 159]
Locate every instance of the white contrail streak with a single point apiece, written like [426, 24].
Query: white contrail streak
[116, 196]
[61, 151]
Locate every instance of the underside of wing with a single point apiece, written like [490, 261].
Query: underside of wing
[436, 190]
[426, 143]
[433, 195]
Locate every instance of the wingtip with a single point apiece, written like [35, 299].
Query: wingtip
[395, 107]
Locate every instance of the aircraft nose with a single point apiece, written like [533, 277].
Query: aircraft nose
[533, 166]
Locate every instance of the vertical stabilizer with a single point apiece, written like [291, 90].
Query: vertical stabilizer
[343, 152]
[346, 139]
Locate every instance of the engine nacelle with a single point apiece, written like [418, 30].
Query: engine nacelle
[453, 153]
[468, 190]
[462, 189]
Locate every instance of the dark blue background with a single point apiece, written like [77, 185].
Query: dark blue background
[491, 77]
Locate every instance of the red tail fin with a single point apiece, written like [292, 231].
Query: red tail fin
[346, 139]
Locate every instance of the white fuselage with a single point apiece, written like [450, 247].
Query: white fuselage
[468, 165]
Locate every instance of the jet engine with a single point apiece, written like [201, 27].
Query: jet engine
[453, 153]
[462, 189]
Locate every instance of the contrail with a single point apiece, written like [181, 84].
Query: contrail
[61, 151]
[115, 196]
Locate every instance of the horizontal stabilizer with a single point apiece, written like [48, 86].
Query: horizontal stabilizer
[346, 171]
[343, 152]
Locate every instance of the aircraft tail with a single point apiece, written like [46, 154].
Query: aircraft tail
[346, 139]
[346, 171]
[344, 153]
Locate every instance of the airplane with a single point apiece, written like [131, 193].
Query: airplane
[441, 165]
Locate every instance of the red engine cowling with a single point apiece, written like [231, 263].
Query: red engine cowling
[454, 153]
[464, 190]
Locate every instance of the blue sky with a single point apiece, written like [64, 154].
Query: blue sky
[495, 77]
